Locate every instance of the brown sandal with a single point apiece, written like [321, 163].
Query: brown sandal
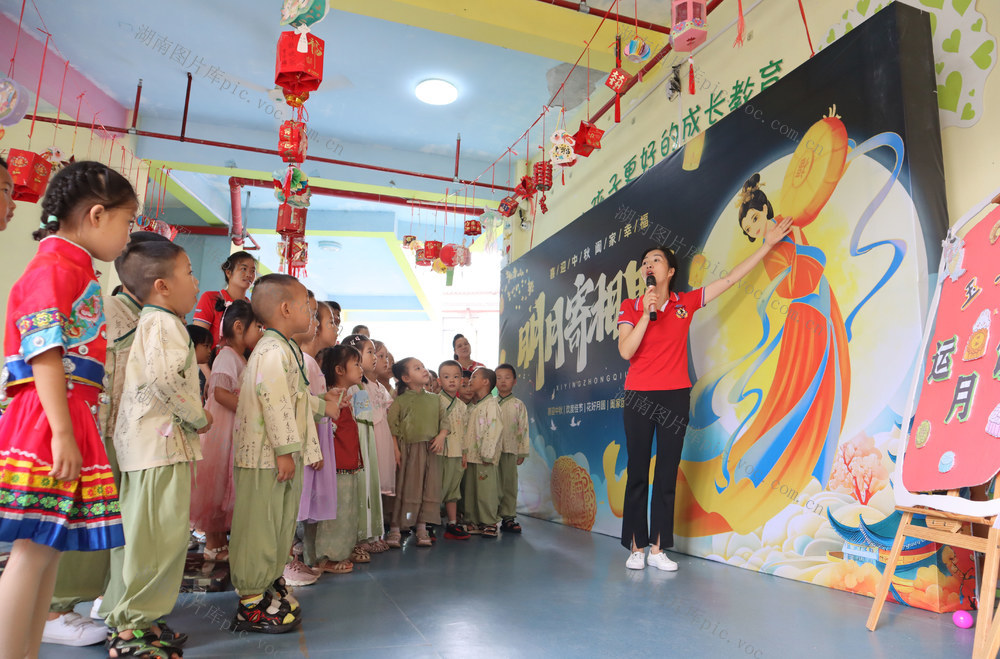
[336, 567]
[359, 555]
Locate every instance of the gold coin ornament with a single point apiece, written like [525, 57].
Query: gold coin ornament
[923, 433]
[817, 165]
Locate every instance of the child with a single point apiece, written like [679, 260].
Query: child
[319, 486]
[6, 200]
[513, 445]
[370, 492]
[212, 497]
[84, 576]
[482, 437]
[383, 372]
[433, 387]
[239, 269]
[419, 428]
[273, 419]
[49, 434]
[362, 330]
[156, 440]
[465, 392]
[385, 448]
[453, 458]
[202, 340]
[330, 543]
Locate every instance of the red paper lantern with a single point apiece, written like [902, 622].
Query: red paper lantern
[432, 249]
[30, 173]
[422, 259]
[588, 138]
[299, 72]
[293, 141]
[473, 227]
[617, 79]
[526, 188]
[291, 221]
[449, 255]
[688, 24]
[543, 175]
[408, 241]
[508, 205]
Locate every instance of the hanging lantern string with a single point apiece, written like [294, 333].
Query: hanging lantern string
[804, 23]
[55, 128]
[741, 24]
[10, 72]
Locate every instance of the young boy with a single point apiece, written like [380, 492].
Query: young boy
[465, 393]
[275, 416]
[482, 439]
[155, 439]
[453, 457]
[202, 340]
[84, 575]
[513, 444]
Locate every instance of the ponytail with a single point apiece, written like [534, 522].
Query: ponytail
[399, 369]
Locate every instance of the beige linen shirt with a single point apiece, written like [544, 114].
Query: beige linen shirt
[456, 412]
[482, 432]
[276, 414]
[513, 426]
[161, 409]
[121, 313]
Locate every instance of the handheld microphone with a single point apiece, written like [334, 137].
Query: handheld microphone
[650, 283]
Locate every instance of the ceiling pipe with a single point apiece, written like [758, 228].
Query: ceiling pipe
[355, 194]
[255, 149]
[237, 226]
[600, 13]
[644, 70]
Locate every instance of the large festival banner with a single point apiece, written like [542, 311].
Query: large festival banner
[802, 371]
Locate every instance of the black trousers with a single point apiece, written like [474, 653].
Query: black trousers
[664, 413]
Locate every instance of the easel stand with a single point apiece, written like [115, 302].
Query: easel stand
[955, 530]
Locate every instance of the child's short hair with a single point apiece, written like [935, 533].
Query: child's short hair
[200, 336]
[507, 367]
[330, 358]
[145, 262]
[269, 292]
[128, 274]
[238, 311]
[466, 374]
[449, 362]
[357, 329]
[79, 184]
[489, 375]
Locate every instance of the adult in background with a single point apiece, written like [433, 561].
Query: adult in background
[240, 270]
[463, 353]
[657, 352]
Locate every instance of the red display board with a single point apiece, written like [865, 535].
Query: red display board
[955, 438]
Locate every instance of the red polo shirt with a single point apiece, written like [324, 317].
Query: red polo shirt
[205, 312]
[661, 362]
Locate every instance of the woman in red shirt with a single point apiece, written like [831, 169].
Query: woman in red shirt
[658, 393]
[463, 353]
[240, 270]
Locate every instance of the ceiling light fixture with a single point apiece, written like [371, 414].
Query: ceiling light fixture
[329, 245]
[436, 92]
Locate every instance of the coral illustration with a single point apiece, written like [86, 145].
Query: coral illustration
[858, 470]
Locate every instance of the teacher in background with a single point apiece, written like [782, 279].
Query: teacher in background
[653, 337]
[463, 353]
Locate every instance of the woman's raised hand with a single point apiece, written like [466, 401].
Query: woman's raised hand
[777, 231]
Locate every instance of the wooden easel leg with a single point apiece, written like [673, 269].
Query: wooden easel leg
[987, 631]
[890, 569]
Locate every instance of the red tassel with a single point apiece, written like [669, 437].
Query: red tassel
[691, 88]
[740, 25]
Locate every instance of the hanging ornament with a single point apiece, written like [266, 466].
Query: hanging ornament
[408, 241]
[293, 141]
[297, 72]
[54, 156]
[543, 175]
[30, 174]
[449, 255]
[473, 227]
[291, 221]
[740, 24]
[292, 187]
[508, 205]
[167, 231]
[526, 188]
[13, 101]
[542, 206]
[689, 28]
[432, 249]
[303, 12]
[617, 79]
[421, 259]
[638, 51]
[588, 138]
[298, 256]
[439, 266]
[561, 153]
[691, 86]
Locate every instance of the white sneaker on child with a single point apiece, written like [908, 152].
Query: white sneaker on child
[636, 560]
[95, 610]
[74, 630]
[298, 574]
[661, 562]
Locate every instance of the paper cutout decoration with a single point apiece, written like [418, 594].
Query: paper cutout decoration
[923, 433]
[993, 423]
[562, 153]
[637, 50]
[947, 462]
[975, 347]
[13, 101]
[953, 255]
[995, 232]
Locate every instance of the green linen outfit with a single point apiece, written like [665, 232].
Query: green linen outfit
[514, 441]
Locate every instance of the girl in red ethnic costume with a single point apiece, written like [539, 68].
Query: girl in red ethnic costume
[56, 488]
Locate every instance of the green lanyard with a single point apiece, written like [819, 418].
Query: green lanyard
[299, 359]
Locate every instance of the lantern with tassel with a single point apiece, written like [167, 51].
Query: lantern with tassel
[689, 28]
[617, 79]
[14, 100]
[291, 221]
[432, 249]
[449, 255]
[526, 188]
[408, 241]
[588, 138]
[473, 227]
[542, 206]
[508, 206]
[562, 153]
[298, 71]
[30, 174]
[292, 141]
[298, 256]
[543, 175]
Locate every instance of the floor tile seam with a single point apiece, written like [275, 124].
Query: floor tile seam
[386, 594]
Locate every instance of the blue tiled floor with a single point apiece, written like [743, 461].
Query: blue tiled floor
[560, 592]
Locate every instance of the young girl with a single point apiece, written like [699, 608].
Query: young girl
[369, 490]
[319, 488]
[239, 269]
[54, 342]
[418, 427]
[333, 541]
[388, 452]
[383, 372]
[213, 497]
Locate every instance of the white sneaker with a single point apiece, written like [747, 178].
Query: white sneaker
[636, 560]
[662, 562]
[74, 630]
[95, 610]
[298, 574]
